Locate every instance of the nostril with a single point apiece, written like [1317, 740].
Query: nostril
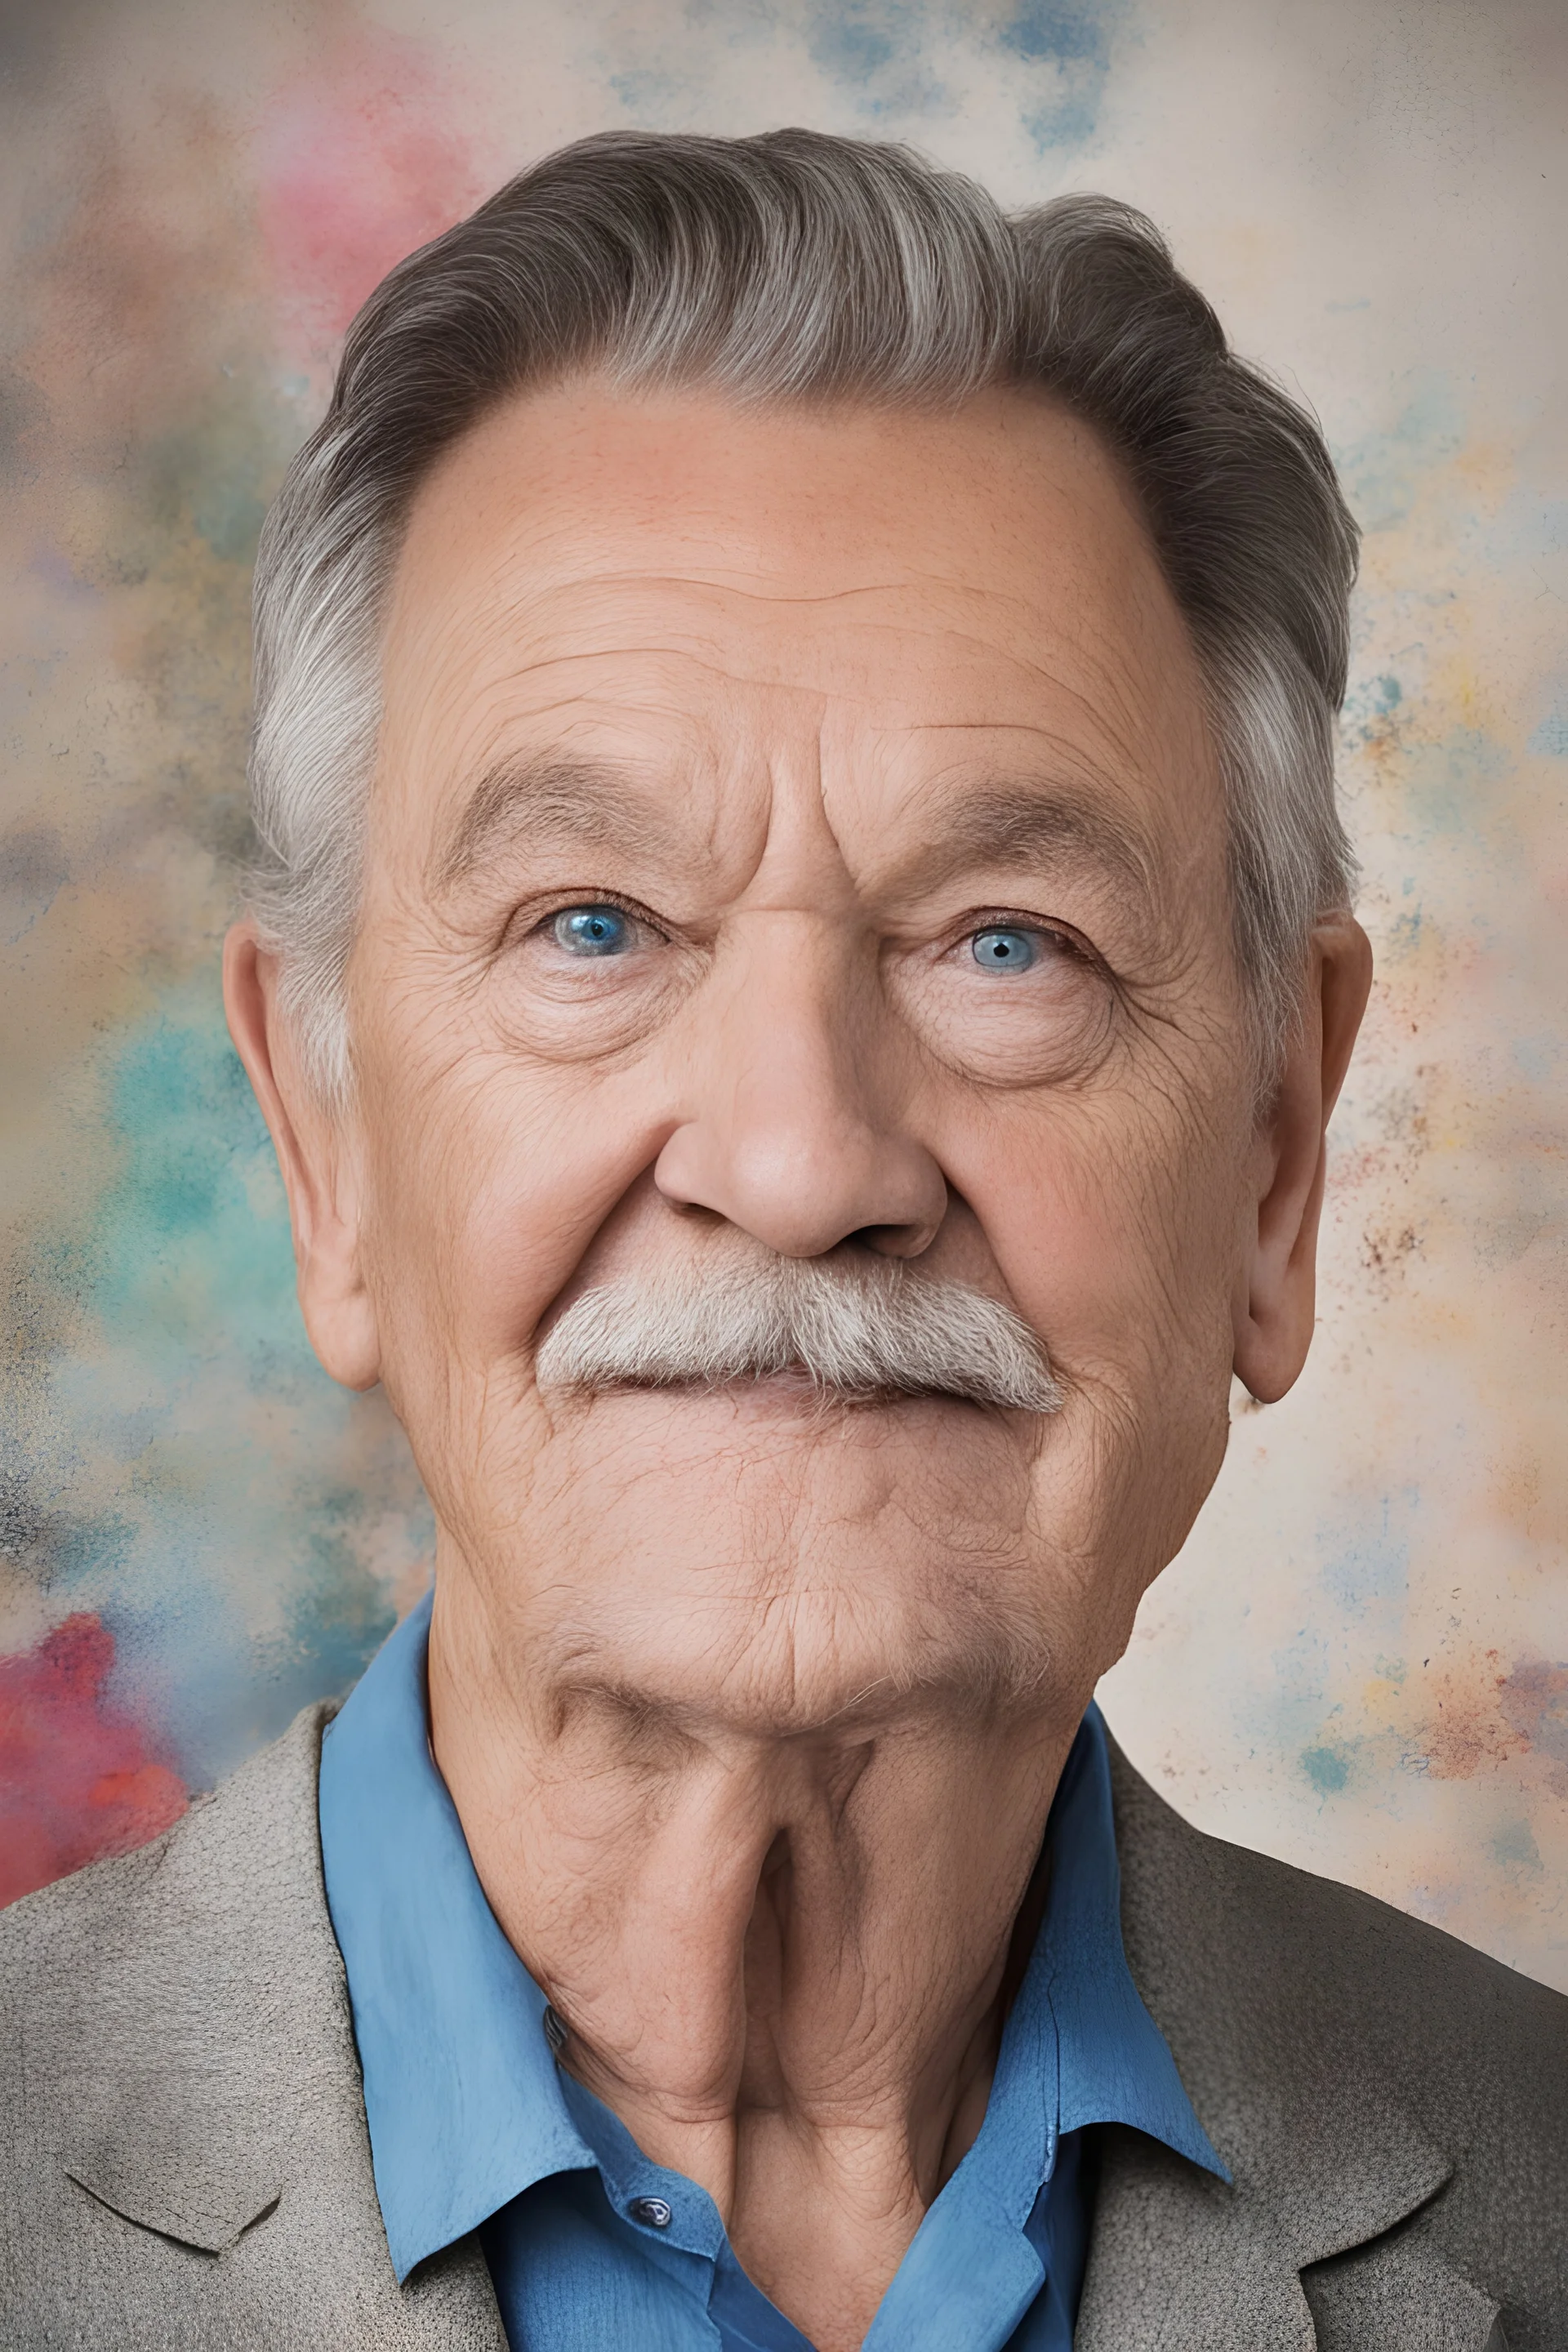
[795, 1182]
[887, 1241]
[891, 1241]
[695, 1212]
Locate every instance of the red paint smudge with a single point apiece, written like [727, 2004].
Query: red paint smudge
[1535, 1698]
[359, 163]
[1472, 1725]
[76, 1780]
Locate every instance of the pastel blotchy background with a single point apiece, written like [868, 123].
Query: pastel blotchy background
[1361, 1660]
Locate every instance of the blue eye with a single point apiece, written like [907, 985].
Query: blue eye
[1004, 951]
[591, 931]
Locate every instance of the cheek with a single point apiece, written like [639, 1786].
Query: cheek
[489, 1187]
[1111, 1235]
[1114, 1225]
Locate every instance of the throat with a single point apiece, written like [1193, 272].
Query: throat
[819, 2068]
[782, 1962]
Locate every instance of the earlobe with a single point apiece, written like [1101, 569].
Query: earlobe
[316, 1165]
[1275, 1305]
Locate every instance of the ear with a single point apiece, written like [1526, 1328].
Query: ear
[318, 1164]
[1276, 1302]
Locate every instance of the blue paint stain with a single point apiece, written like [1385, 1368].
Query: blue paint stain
[1404, 933]
[1328, 1768]
[1550, 739]
[649, 96]
[210, 1490]
[228, 516]
[1065, 31]
[1514, 1847]
[1069, 123]
[1538, 1058]
[1383, 474]
[1058, 53]
[88, 1549]
[337, 1619]
[193, 1234]
[855, 42]
[1452, 784]
[1071, 40]
[1365, 1554]
[213, 475]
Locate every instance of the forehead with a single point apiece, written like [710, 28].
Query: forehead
[903, 590]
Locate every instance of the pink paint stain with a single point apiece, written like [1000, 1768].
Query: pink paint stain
[77, 1782]
[1534, 1699]
[359, 163]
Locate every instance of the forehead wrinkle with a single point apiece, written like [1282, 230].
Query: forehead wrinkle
[713, 667]
[533, 581]
[719, 587]
[697, 637]
[1106, 696]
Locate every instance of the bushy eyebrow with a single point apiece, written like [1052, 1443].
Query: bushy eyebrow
[550, 797]
[563, 800]
[1032, 824]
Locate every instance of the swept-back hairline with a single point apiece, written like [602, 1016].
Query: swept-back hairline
[799, 266]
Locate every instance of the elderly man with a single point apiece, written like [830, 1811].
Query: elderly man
[798, 969]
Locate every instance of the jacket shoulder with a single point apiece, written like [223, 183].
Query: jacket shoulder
[241, 1847]
[1287, 1993]
[131, 1989]
[1284, 1940]
[183, 2158]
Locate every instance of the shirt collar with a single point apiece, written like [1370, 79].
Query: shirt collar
[465, 2105]
[1114, 2063]
[461, 2092]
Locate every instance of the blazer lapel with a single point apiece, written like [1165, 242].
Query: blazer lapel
[204, 2007]
[1311, 2248]
[1400, 2294]
[1180, 2262]
[204, 2084]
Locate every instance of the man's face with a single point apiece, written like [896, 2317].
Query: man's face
[796, 831]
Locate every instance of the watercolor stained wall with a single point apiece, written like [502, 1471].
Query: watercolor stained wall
[1361, 1660]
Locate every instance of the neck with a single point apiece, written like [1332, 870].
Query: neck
[783, 1955]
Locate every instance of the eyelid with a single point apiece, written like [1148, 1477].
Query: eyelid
[529, 920]
[1011, 919]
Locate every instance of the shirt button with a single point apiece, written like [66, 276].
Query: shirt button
[652, 2212]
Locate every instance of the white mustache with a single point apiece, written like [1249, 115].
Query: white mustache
[859, 1329]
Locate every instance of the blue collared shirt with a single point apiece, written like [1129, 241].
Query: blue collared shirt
[474, 2126]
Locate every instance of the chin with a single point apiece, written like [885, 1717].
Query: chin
[790, 1647]
[780, 1558]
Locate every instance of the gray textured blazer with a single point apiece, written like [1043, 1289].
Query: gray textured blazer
[185, 2165]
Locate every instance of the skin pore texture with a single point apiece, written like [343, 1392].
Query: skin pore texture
[752, 1702]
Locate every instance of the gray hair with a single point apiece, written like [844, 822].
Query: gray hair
[856, 1327]
[798, 266]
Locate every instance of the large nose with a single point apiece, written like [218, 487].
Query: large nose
[795, 1133]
